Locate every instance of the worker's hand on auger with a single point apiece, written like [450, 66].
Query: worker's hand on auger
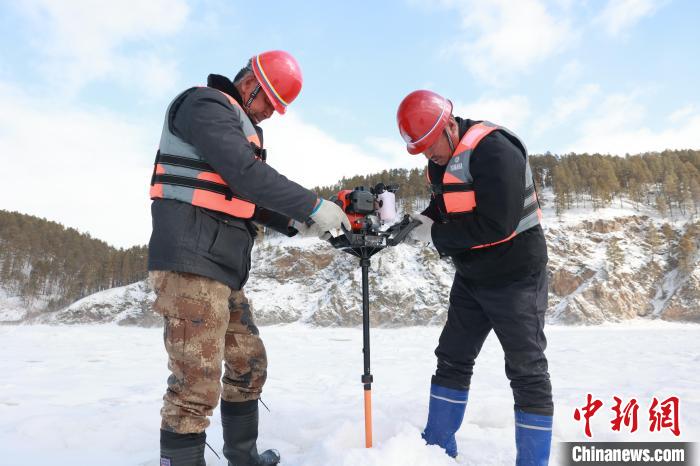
[301, 227]
[327, 217]
[423, 232]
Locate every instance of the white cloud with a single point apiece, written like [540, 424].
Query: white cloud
[394, 153]
[620, 15]
[566, 106]
[682, 113]
[512, 112]
[154, 76]
[502, 38]
[83, 40]
[306, 154]
[86, 169]
[617, 128]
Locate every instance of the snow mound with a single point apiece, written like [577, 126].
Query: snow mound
[126, 305]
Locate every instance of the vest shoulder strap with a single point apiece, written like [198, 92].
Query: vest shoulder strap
[474, 135]
[251, 132]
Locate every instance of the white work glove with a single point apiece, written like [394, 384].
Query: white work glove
[327, 217]
[423, 232]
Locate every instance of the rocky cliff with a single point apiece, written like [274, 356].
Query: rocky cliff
[605, 266]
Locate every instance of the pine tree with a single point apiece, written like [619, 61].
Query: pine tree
[409, 205]
[604, 183]
[669, 236]
[687, 248]
[563, 186]
[661, 204]
[670, 189]
[694, 189]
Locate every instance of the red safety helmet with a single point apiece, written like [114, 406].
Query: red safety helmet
[422, 116]
[279, 76]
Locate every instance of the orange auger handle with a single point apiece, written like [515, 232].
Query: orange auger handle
[368, 418]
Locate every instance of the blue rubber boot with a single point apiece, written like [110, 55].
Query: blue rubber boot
[445, 414]
[533, 438]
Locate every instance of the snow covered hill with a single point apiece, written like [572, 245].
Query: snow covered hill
[125, 305]
[306, 280]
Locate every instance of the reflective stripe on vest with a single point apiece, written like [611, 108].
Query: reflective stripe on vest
[181, 173]
[457, 187]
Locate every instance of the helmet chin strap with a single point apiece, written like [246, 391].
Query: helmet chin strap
[449, 141]
[252, 97]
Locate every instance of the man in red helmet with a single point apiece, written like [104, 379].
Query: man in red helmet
[210, 183]
[484, 214]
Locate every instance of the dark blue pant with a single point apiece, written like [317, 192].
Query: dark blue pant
[515, 311]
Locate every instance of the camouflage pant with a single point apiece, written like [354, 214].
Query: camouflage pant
[205, 323]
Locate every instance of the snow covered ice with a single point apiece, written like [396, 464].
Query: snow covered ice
[86, 395]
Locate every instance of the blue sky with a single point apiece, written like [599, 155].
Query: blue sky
[84, 85]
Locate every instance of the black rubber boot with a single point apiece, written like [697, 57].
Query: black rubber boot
[240, 423]
[182, 449]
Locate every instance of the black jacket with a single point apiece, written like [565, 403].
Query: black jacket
[191, 239]
[498, 169]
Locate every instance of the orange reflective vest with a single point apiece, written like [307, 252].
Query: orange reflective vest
[457, 189]
[181, 173]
